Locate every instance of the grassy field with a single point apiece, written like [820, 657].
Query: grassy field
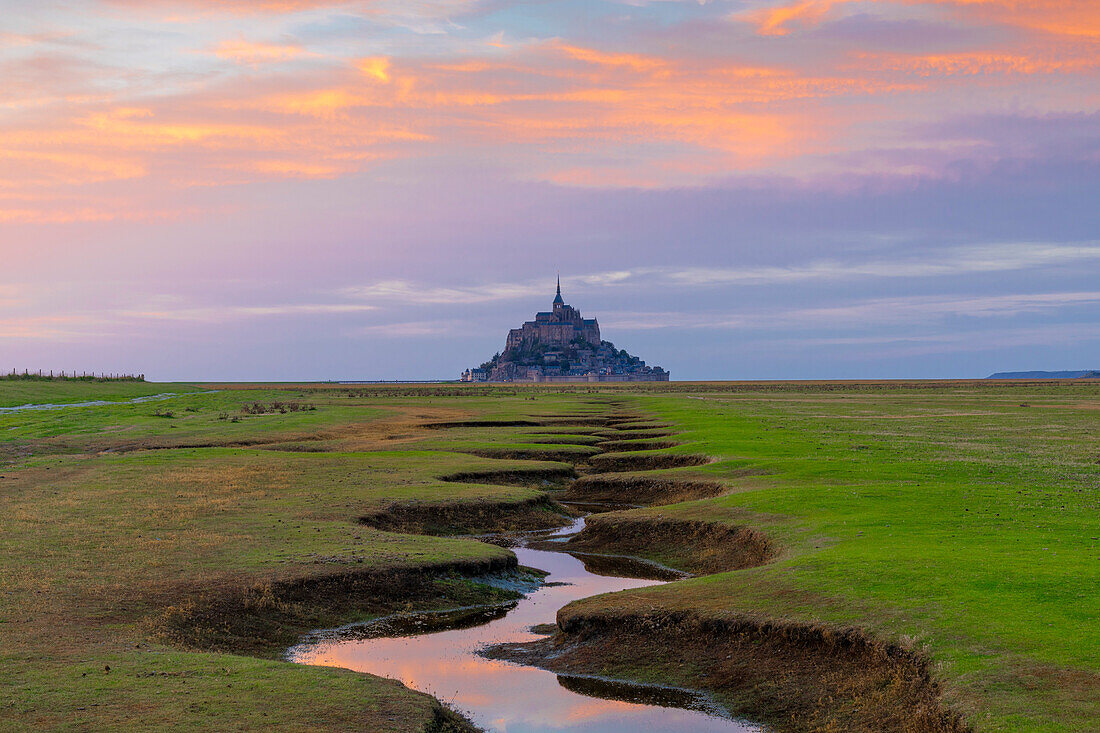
[158, 556]
[16, 392]
[119, 523]
[962, 521]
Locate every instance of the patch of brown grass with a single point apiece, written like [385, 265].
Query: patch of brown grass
[643, 461]
[449, 518]
[698, 547]
[642, 489]
[793, 677]
[264, 618]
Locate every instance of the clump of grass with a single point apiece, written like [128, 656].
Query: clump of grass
[163, 412]
[259, 408]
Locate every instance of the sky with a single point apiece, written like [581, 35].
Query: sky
[380, 189]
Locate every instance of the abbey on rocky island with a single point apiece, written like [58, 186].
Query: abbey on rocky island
[562, 346]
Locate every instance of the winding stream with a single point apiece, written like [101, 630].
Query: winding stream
[508, 697]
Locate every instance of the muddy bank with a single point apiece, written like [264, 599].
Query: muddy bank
[697, 547]
[791, 676]
[560, 439]
[468, 517]
[447, 425]
[589, 430]
[634, 426]
[635, 434]
[624, 566]
[445, 720]
[567, 421]
[640, 489]
[644, 461]
[510, 697]
[536, 476]
[623, 446]
[595, 416]
[563, 452]
[574, 422]
[263, 619]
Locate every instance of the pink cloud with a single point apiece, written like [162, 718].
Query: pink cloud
[550, 110]
[1063, 17]
[255, 53]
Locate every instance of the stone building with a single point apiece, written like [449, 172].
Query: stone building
[562, 346]
[561, 326]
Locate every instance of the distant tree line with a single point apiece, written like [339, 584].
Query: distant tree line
[41, 376]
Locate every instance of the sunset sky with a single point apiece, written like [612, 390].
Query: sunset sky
[312, 189]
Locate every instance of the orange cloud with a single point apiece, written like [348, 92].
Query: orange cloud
[557, 101]
[39, 216]
[709, 118]
[314, 103]
[1065, 17]
[237, 7]
[254, 53]
[375, 67]
[634, 61]
[195, 148]
[294, 169]
[51, 327]
[554, 111]
[135, 129]
[85, 214]
[774, 21]
[20, 168]
[973, 64]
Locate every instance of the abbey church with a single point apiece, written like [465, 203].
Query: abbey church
[562, 325]
[562, 346]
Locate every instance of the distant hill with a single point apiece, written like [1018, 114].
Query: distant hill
[1087, 374]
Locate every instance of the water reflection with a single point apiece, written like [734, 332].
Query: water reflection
[626, 567]
[667, 697]
[92, 403]
[504, 696]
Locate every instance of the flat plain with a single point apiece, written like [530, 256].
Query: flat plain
[866, 556]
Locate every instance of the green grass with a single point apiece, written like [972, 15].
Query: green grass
[157, 689]
[14, 393]
[206, 416]
[944, 516]
[958, 521]
[108, 522]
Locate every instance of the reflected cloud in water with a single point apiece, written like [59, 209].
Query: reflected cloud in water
[505, 696]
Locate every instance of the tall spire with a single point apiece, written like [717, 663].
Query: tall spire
[557, 298]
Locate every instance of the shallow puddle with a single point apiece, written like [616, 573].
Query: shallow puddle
[91, 403]
[508, 697]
